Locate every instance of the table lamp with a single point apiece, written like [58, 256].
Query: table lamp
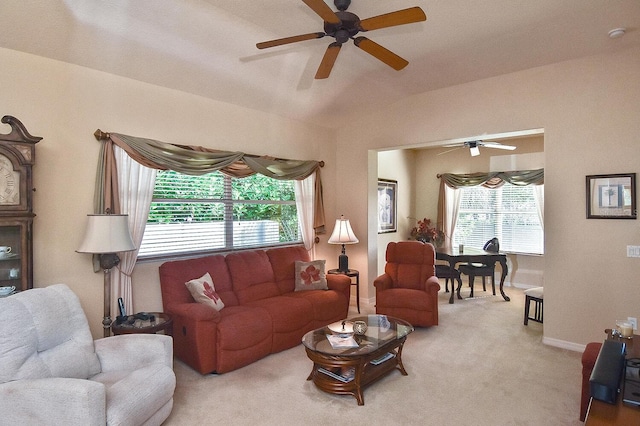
[343, 234]
[106, 235]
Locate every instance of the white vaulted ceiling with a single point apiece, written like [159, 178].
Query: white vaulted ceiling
[207, 47]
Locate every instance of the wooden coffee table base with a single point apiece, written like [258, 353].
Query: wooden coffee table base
[365, 372]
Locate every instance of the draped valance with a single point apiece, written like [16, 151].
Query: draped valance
[196, 160]
[448, 205]
[494, 179]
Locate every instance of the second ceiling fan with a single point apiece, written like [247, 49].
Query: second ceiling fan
[474, 147]
[343, 25]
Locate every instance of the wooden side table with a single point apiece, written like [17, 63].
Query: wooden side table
[601, 413]
[161, 322]
[351, 273]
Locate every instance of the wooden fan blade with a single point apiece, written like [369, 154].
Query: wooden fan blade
[383, 54]
[288, 40]
[328, 60]
[323, 11]
[399, 17]
[498, 146]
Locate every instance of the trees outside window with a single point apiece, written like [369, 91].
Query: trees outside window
[214, 212]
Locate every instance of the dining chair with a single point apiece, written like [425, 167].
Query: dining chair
[535, 295]
[483, 270]
[453, 275]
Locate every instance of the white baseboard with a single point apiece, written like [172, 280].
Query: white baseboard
[563, 344]
[526, 278]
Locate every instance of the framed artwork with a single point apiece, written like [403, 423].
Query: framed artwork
[387, 205]
[611, 196]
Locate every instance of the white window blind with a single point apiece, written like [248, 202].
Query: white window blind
[509, 213]
[214, 212]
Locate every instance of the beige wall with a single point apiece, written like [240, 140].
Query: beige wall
[65, 104]
[589, 111]
[398, 165]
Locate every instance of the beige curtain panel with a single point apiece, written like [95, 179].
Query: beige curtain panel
[195, 160]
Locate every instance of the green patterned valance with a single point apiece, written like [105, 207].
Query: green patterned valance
[494, 179]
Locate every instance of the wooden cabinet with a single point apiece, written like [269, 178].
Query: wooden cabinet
[17, 157]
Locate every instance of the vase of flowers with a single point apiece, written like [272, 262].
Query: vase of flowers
[427, 233]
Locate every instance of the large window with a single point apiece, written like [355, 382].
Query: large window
[511, 213]
[214, 212]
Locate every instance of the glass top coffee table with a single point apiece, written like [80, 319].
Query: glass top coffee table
[345, 363]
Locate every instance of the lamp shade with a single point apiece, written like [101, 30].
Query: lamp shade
[342, 233]
[107, 233]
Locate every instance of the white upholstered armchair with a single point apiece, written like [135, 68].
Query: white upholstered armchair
[53, 373]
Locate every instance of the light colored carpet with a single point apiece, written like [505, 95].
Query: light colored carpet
[480, 366]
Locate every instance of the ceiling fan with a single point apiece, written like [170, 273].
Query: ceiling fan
[474, 146]
[343, 25]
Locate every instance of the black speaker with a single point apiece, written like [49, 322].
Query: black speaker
[604, 382]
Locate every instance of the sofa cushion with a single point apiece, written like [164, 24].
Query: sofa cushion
[174, 274]
[252, 276]
[328, 306]
[35, 343]
[203, 291]
[152, 385]
[290, 317]
[283, 264]
[405, 298]
[310, 275]
[409, 263]
[244, 335]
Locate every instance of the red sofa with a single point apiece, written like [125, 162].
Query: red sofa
[262, 314]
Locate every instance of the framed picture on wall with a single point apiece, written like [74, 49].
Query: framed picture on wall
[611, 196]
[387, 205]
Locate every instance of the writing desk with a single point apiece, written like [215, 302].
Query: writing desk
[472, 255]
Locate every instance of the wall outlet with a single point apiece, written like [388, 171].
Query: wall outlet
[633, 321]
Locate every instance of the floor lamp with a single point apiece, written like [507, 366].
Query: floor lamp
[106, 235]
[343, 234]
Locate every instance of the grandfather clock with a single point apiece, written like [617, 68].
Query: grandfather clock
[17, 156]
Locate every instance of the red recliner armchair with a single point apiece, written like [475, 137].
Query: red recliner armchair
[409, 288]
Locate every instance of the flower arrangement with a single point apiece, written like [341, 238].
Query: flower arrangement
[427, 233]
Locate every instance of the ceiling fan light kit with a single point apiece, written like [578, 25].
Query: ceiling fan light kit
[343, 25]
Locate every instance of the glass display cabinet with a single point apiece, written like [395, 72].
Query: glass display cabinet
[17, 156]
[15, 254]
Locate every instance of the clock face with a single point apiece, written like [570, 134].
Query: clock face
[9, 183]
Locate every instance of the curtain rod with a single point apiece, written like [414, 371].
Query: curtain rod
[103, 136]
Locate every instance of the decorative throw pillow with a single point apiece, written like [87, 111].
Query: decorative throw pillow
[203, 291]
[310, 276]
